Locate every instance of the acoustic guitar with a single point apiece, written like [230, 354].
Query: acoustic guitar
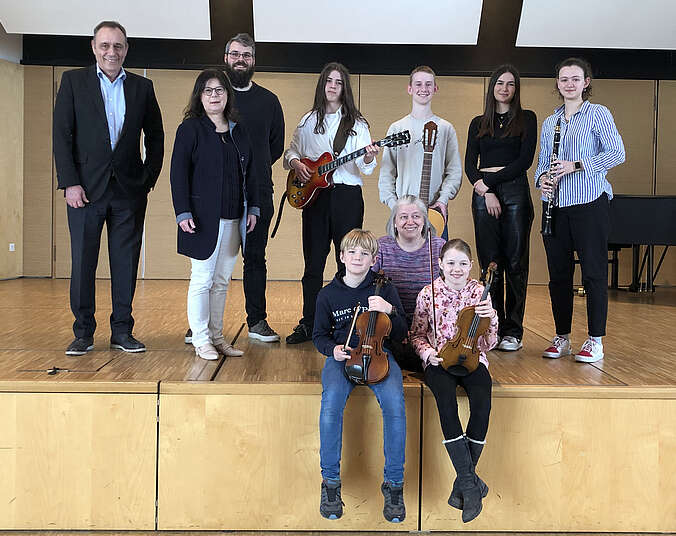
[429, 140]
[301, 195]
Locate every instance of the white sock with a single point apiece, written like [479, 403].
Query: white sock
[598, 340]
[566, 336]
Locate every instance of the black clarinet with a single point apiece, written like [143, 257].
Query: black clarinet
[548, 212]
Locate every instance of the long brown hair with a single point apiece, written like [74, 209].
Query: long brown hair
[515, 113]
[195, 107]
[349, 109]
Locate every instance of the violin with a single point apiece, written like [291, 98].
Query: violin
[460, 355]
[368, 361]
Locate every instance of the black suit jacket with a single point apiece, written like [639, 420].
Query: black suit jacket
[82, 143]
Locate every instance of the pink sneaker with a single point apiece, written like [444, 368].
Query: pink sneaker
[591, 352]
[560, 347]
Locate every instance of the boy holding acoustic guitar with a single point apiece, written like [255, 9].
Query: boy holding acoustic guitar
[429, 168]
[354, 353]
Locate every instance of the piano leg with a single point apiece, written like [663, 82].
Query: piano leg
[650, 287]
[635, 253]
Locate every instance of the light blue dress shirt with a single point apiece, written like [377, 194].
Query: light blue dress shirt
[113, 100]
[590, 137]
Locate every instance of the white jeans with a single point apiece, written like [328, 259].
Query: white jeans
[209, 280]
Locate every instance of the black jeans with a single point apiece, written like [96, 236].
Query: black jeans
[336, 211]
[123, 216]
[255, 269]
[478, 386]
[582, 228]
[506, 241]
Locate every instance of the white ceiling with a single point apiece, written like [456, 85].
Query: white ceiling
[632, 24]
[446, 22]
[171, 19]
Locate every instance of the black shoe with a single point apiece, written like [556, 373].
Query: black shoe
[331, 505]
[301, 333]
[188, 336]
[80, 346]
[393, 509]
[127, 343]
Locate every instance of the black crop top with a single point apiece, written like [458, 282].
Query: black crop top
[515, 152]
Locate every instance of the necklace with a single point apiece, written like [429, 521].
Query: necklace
[502, 117]
[223, 137]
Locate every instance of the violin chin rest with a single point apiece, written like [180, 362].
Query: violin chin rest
[355, 373]
[458, 370]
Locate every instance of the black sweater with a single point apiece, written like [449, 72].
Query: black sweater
[335, 309]
[260, 112]
[514, 152]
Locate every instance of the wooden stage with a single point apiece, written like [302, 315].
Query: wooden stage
[163, 440]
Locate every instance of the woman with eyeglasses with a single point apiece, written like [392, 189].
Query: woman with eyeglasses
[215, 195]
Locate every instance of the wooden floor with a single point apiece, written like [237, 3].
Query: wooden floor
[640, 345]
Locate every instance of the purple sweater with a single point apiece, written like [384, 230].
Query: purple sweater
[409, 271]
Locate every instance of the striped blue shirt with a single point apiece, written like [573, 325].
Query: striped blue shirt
[113, 100]
[590, 137]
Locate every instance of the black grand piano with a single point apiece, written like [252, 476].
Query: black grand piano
[641, 220]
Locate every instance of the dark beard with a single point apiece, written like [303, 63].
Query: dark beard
[239, 79]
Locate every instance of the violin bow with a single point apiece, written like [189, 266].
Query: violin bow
[434, 309]
[354, 321]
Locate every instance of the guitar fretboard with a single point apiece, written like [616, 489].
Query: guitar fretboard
[330, 166]
[425, 175]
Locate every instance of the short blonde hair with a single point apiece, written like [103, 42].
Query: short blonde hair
[421, 69]
[360, 238]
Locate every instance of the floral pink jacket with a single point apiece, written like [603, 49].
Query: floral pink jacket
[448, 304]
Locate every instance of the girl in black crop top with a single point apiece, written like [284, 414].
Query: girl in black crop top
[500, 149]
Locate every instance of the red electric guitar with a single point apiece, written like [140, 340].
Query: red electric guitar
[301, 195]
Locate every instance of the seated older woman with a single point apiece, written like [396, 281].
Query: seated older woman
[403, 255]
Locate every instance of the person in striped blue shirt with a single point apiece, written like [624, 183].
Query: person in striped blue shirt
[589, 146]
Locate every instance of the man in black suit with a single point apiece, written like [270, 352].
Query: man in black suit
[99, 114]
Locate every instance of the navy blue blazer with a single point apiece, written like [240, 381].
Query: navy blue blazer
[197, 182]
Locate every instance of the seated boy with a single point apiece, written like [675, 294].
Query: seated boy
[333, 317]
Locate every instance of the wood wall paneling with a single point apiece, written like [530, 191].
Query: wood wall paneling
[271, 458]
[383, 99]
[11, 169]
[173, 89]
[666, 138]
[569, 464]
[665, 183]
[37, 161]
[78, 461]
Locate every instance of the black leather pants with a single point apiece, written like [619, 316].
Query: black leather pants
[506, 240]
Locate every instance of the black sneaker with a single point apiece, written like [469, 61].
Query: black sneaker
[331, 505]
[80, 346]
[188, 336]
[301, 333]
[393, 509]
[127, 343]
[263, 332]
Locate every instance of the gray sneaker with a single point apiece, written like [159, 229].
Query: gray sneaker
[509, 344]
[331, 505]
[263, 332]
[393, 508]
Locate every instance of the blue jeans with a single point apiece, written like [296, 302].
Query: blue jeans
[390, 396]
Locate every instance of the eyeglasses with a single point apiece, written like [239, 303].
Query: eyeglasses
[244, 55]
[209, 91]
